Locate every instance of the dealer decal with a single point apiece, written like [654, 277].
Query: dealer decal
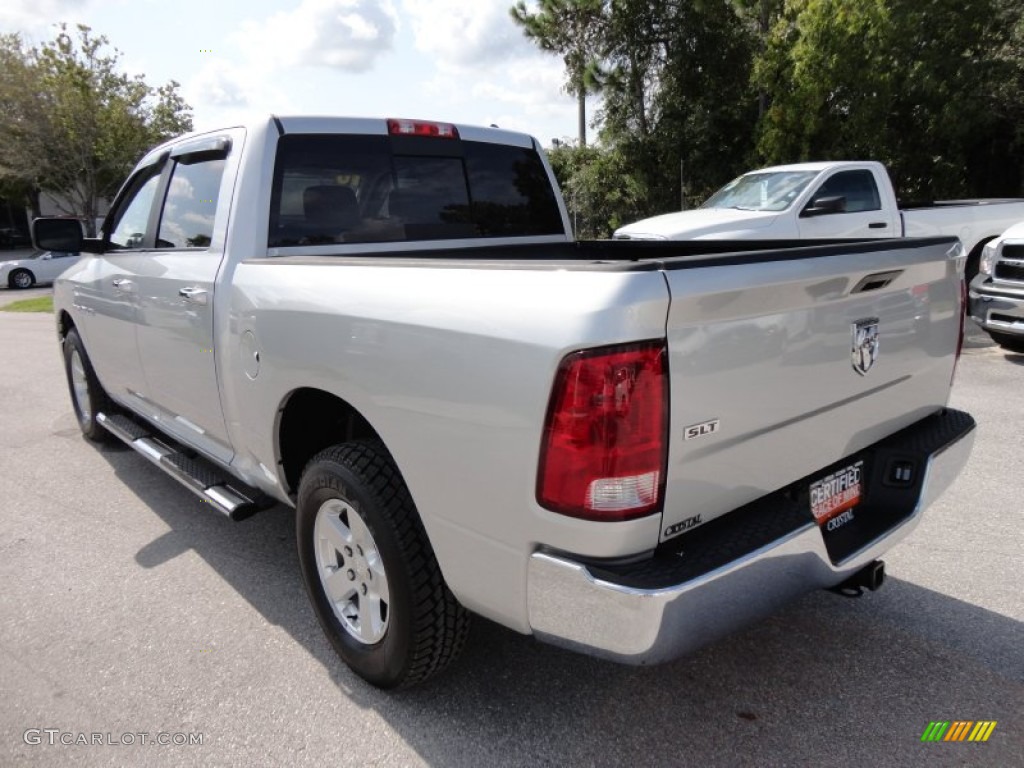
[837, 493]
[683, 525]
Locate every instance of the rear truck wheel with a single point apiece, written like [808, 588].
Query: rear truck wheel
[370, 571]
[87, 395]
[1008, 341]
[21, 278]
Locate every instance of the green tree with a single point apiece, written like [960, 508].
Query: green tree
[761, 15]
[600, 191]
[917, 85]
[571, 28]
[678, 103]
[73, 123]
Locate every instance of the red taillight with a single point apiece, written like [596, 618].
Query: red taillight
[422, 128]
[604, 447]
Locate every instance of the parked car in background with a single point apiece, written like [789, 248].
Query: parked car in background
[43, 267]
[816, 201]
[997, 293]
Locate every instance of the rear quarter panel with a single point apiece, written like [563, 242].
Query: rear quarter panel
[453, 368]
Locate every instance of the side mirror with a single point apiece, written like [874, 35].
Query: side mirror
[821, 206]
[54, 234]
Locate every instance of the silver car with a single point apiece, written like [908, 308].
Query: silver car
[43, 267]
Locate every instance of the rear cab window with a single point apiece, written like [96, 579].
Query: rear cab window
[347, 188]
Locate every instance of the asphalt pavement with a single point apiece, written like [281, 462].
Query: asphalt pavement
[129, 610]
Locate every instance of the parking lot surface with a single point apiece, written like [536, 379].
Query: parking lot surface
[131, 612]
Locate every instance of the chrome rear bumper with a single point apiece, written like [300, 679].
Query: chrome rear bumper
[571, 607]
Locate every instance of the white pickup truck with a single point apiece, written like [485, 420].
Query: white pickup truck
[815, 201]
[624, 448]
[997, 293]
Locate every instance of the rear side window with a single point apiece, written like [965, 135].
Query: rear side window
[359, 189]
[191, 202]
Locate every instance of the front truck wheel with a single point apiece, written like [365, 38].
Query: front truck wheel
[370, 571]
[87, 395]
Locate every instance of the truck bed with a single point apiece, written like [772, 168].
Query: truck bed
[759, 337]
[613, 255]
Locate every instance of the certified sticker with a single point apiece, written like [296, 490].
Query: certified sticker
[836, 493]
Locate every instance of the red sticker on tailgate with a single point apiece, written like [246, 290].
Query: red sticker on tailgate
[837, 492]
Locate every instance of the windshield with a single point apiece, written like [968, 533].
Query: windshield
[770, 191]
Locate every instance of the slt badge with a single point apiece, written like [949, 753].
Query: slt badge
[865, 345]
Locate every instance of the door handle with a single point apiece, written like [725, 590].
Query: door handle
[194, 295]
[123, 284]
[877, 225]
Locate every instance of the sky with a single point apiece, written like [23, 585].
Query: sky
[461, 61]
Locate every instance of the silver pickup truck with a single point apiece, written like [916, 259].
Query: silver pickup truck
[625, 448]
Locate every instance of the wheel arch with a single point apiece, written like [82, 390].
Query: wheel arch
[309, 420]
[64, 324]
[973, 263]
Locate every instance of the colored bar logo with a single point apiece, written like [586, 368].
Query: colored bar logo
[958, 730]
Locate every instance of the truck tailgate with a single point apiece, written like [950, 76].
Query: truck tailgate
[773, 372]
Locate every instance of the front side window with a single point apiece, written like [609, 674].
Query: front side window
[857, 187]
[190, 204]
[132, 217]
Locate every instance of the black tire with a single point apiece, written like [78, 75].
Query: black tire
[1008, 341]
[426, 627]
[21, 278]
[94, 399]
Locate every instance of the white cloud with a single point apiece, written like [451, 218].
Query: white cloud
[349, 35]
[530, 83]
[538, 108]
[219, 84]
[460, 34]
[38, 15]
[485, 63]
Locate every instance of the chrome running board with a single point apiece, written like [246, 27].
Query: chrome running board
[228, 496]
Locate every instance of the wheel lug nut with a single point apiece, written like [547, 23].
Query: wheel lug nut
[348, 551]
[364, 589]
[351, 575]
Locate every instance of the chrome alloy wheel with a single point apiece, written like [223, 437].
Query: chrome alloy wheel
[22, 279]
[351, 571]
[80, 386]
